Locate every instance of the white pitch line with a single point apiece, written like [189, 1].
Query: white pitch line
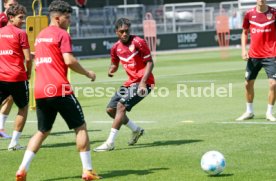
[256, 123]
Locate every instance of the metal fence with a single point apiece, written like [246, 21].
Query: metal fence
[170, 18]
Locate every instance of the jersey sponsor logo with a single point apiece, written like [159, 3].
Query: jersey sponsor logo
[6, 52]
[254, 16]
[43, 60]
[256, 30]
[6, 36]
[40, 40]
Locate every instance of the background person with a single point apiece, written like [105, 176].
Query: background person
[6, 104]
[260, 22]
[14, 51]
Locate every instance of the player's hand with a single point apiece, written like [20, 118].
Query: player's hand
[112, 69]
[110, 74]
[91, 75]
[142, 89]
[245, 55]
[29, 74]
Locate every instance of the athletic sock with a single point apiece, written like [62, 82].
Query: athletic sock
[249, 107]
[3, 119]
[269, 109]
[131, 125]
[112, 135]
[15, 137]
[86, 160]
[27, 159]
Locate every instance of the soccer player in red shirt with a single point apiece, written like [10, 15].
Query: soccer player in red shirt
[134, 55]
[14, 50]
[8, 102]
[260, 23]
[53, 93]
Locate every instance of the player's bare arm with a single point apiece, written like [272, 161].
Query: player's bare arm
[29, 62]
[73, 64]
[148, 70]
[112, 69]
[244, 38]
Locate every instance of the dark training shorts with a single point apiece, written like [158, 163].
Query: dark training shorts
[68, 107]
[18, 90]
[127, 96]
[254, 65]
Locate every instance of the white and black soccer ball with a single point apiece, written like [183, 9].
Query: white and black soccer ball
[213, 162]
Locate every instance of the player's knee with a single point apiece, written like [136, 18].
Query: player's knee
[121, 107]
[111, 112]
[272, 84]
[249, 84]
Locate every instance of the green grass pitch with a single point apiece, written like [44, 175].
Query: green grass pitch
[198, 96]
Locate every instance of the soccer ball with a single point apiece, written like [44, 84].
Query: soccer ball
[213, 162]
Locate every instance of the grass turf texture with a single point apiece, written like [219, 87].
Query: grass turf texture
[179, 129]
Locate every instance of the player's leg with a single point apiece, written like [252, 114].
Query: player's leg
[252, 69]
[71, 111]
[112, 110]
[19, 124]
[271, 100]
[20, 92]
[46, 116]
[83, 146]
[269, 65]
[4, 112]
[124, 100]
[32, 148]
[249, 94]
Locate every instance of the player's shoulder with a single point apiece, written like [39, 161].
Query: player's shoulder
[272, 9]
[138, 40]
[116, 44]
[15, 29]
[2, 15]
[251, 10]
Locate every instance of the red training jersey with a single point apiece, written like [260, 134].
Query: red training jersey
[13, 41]
[133, 56]
[262, 32]
[3, 20]
[51, 70]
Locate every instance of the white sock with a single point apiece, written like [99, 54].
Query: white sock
[3, 119]
[131, 125]
[15, 137]
[269, 109]
[86, 160]
[112, 135]
[28, 156]
[249, 107]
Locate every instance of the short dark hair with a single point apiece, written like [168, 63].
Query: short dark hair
[122, 21]
[60, 6]
[15, 10]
